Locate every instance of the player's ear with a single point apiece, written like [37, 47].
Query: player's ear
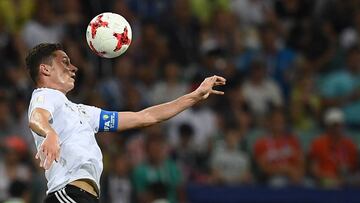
[44, 69]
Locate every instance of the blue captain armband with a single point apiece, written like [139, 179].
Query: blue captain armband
[108, 121]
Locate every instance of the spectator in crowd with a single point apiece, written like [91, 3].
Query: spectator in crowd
[113, 89]
[12, 51]
[292, 13]
[149, 10]
[17, 78]
[185, 152]
[229, 164]
[341, 88]
[279, 155]
[183, 36]
[333, 156]
[171, 87]
[72, 15]
[244, 49]
[204, 10]
[19, 107]
[11, 166]
[350, 36]
[157, 168]
[234, 109]
[153, 48]
[157, 193]
[305, 103]
[201, 119]
[251, 13]
[19, 192]
[279, 60]
[16, 13]
[260, 91]
[44, 27]
[117, 185]
[6, 118]
[220, 34]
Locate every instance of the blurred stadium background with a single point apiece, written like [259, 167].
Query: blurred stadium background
[287, 129]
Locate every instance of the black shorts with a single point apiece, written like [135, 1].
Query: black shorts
[71, 194]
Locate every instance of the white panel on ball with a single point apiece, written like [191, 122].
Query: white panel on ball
[109, 35]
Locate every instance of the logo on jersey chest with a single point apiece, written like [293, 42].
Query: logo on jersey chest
[77, 109]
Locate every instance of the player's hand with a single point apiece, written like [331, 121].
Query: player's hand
[206, 87]
[49, 151]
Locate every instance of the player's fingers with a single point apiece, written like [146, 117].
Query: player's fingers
[46, 164]
[42, 160]
[38, 154]
[49, 161]
[220, 83]
[212, 79]
[217, 92]
[45, 155]
[220, 79]
[43, 163]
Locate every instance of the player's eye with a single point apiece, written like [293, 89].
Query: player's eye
[66, 62]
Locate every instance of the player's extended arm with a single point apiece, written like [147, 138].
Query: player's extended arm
[50, 148]
[161, 112]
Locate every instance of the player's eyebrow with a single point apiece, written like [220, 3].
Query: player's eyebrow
[66, 57]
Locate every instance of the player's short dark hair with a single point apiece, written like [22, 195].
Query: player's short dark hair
[41, 53]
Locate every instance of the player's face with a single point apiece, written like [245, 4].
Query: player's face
[63, 72]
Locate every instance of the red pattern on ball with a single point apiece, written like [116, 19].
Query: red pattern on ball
[98, 23]
[123, 39]
[96, 51]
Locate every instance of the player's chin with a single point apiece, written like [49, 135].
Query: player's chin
[70, 85]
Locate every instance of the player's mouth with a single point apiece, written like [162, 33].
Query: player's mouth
[73, 76]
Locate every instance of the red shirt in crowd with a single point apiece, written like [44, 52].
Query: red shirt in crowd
[282, 150]
[332, 158]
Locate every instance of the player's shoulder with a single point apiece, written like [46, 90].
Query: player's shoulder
[49, 93]
[41, 96]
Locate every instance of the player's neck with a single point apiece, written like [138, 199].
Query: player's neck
[50, 86]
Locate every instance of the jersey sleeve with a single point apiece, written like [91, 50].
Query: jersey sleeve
[92, 114]
[47, 100]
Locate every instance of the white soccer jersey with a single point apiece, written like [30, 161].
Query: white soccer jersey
[76, 125]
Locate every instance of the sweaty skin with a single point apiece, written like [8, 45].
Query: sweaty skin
[59, 75]
[50, 149]
[161, 112]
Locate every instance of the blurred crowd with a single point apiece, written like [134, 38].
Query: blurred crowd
[290, 114]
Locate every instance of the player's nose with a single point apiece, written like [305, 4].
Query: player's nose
[73, 68]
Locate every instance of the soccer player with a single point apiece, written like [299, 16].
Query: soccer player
[64, 132]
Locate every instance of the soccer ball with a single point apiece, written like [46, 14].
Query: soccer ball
[108, 35]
